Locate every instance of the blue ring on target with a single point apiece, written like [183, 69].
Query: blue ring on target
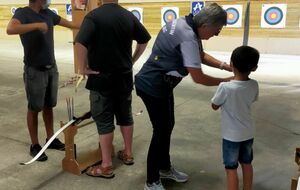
[235, 13]
[137, 14]
[273, 10]
[168, 13]
[13, 10]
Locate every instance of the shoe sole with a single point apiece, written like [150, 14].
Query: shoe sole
[61, 149]
[146, 188]
[128, 163]
[173, 179]
[102, 176]
[41, 158]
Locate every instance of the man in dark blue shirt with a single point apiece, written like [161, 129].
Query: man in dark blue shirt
[104, 50]
[34, 23]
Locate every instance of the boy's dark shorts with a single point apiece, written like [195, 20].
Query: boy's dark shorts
[41, 87]
[237, 152]
[104, 108]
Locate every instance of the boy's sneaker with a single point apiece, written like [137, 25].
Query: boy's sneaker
[35, 149]
[174, 175]
[154, 186]
[56, 144]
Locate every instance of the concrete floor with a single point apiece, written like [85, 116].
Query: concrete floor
[196, 141]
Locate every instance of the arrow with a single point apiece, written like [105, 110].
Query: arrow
[247, 24]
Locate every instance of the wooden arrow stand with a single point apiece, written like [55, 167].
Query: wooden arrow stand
[297, 160]
[71, 162]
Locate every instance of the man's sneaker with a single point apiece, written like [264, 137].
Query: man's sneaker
[35, 149]
[174, 175]
[56, 144]
[154, 186]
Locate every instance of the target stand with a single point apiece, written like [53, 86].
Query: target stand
[77, 163]
[295, 180]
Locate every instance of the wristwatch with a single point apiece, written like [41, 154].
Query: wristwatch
[222, 65]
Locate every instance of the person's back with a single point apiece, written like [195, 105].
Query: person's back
[110, 50]
[174, 40]
[235, 98]
[238, 97]
[108, 33]
[105, 39]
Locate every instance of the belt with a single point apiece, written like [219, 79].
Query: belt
[44, 67]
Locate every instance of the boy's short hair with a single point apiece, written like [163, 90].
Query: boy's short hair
[245, 58]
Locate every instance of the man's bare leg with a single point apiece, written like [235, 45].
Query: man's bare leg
[32, 124]
[106, 148]
[127, 133]
[48, 120]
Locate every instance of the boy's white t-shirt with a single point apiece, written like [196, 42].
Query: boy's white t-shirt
[235, 98]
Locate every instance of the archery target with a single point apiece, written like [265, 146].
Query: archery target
[137, 12]
[234, 15]
[13, 10]
[168, 14]
[273, 15]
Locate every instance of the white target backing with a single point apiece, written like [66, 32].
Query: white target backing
[168, 14]
[137, 12]
[234, 15]
[273, 15]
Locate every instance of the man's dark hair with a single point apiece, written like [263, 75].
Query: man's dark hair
[32, 1]
[245, 58]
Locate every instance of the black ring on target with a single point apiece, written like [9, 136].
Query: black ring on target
[269, 12]
[55, 11]
[13, 10]
[235, 13]
[169, 12]
[137, 14]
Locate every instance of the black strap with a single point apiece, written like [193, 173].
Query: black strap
[191, 23]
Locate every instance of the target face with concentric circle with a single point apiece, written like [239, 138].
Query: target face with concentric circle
[232, 16]
[273, 15]
[169, 15]
[13, 10]
[137, 14]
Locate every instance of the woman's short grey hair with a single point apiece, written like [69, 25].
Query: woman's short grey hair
[212, 14]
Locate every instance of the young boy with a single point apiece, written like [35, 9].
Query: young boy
[235, 98]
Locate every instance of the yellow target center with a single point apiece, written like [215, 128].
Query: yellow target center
[273, 15]
[170, 17]
[230, 16]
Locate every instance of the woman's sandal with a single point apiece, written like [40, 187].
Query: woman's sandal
[127, 160]
[99, 171]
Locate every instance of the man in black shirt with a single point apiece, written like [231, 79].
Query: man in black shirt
[104, 50]
[34, 24]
